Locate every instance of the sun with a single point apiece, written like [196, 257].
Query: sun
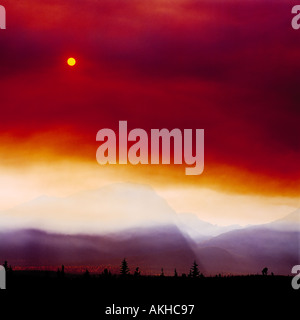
[71, 62]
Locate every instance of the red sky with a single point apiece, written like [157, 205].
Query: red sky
[229, 67]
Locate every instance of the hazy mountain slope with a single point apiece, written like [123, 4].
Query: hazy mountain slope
[112, 208]
[256, 247]
[199, 229]
[291, 222]
[125, 220]
[150, 249]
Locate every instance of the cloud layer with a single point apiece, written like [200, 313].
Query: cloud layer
[230, 67]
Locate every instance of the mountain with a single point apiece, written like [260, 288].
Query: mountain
[215, 260]
[201, 230]
[101, 227]
[112, 208]
[150, 249]
[290, 222]
[275, 245]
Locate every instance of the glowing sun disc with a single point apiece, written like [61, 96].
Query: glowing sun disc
[71, 62]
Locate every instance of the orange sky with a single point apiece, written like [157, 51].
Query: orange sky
[159, 64]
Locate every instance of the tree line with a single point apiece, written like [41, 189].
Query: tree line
[125, 271]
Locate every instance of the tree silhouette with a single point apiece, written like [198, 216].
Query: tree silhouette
[86, 275]
[124, 270]
[175, 273]
[61, 273]
[5, 265]
[137, 272]
[264, 271]
[162, 272]
[194, 271]
[106, 273]
[62, 270]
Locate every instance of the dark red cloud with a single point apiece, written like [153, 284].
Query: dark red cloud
[231, 68]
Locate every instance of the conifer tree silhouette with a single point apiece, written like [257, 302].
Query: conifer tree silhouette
[162, 272]
[124, 270]
[194, 271]
[175, 273]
